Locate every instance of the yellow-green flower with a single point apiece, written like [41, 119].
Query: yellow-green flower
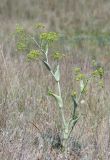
[19, 29]
[33, 54]
[95, 73]
[77, 70]
[57, 56]
[21, 46]
[101, 72]
[94, 63]
[74, 93]
[49, 36]
[98, 72]
[80, 76]
[39, 26]
[101, 83]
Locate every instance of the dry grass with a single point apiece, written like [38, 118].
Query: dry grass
[61, 15]
[24, 100]
[23, 85]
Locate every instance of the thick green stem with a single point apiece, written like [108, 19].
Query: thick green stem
[61, 107]
[64, 124]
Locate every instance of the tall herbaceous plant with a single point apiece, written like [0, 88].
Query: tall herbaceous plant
[40, 43]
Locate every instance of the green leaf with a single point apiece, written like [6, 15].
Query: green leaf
[57, 74]
[58, 99]
[81, 85]
[47, 65]
[75, 120]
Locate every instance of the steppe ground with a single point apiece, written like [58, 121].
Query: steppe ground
[85, 29]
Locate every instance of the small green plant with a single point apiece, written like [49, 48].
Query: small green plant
[43, 43]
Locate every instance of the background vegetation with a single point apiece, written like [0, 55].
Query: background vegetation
[85, 35]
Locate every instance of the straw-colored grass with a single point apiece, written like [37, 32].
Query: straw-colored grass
[25, 108]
